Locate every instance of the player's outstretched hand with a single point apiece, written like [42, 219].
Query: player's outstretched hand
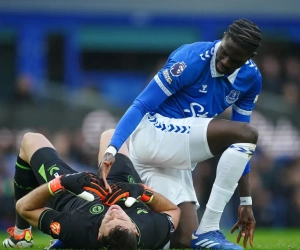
[78, 184]
[126, 190]
[246, 225]
[104, 168]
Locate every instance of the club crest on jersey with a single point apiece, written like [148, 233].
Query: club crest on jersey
[178, 68]
[233, 96]
[55, 228]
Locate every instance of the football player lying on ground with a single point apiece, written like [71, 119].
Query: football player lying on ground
[41, 178]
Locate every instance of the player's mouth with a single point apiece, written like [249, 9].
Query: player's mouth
[220, 68]
[114, 207]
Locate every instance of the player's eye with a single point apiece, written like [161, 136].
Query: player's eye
[223, 51]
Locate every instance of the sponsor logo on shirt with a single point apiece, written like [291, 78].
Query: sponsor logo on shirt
[203, 90]
[55, 228]
[233, 96]
[167, 76]
[141, 210]
[178, 68]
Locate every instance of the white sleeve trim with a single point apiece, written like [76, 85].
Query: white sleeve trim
[162, 86]
[241, 111]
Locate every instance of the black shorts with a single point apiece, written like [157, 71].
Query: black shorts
[47, 165]
[123, 171]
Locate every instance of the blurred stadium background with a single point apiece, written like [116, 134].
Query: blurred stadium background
[69, 69]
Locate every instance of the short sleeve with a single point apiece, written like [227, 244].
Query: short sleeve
[56, 224]
[244, 106]
[163, 229]
[182, 68]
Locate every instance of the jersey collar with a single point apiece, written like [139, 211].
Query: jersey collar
[214, 72]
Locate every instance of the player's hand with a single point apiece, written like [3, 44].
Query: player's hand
[104, 168]
[246, 225]
[77, 184]
[126, 190]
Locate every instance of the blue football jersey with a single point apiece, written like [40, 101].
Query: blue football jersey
[189, 86]
[195, 88]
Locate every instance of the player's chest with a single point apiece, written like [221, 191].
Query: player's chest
[214, 90]
[210, 98]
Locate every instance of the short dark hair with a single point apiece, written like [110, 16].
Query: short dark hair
[119, 238]
[245, 33]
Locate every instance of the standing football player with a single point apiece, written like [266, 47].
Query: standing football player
[171, 127]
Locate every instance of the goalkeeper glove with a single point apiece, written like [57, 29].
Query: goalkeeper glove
[78, 184]
[126, 190]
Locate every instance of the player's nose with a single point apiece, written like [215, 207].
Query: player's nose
[226, 62]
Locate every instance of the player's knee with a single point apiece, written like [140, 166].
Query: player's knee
[248, 134]
[28, 139]
[108, 133]
[106, 136]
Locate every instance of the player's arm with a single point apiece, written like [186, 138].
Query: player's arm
[161, 204]
[148, 100]
[104, 142]
[241, 111]
[244, 188]
[32, 205]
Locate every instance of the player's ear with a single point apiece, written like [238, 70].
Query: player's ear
[99, 234]
[135, 230]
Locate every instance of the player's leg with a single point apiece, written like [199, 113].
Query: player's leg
[236, 141]
[29, 174]
[187, 224]
[177, 186]
[24, 181]
[47, 165]
[122, 170]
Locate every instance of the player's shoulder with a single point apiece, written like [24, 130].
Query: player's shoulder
[250, 68]
[194, 56]
[251, 71]
[196, 50]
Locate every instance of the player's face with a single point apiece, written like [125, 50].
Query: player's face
[115, 216]
[230, 56]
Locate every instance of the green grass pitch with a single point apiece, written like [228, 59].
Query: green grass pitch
[279, 239]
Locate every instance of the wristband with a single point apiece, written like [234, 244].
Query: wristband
[112, 150]
[55, 187]
[147, 195]
[246, 201]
